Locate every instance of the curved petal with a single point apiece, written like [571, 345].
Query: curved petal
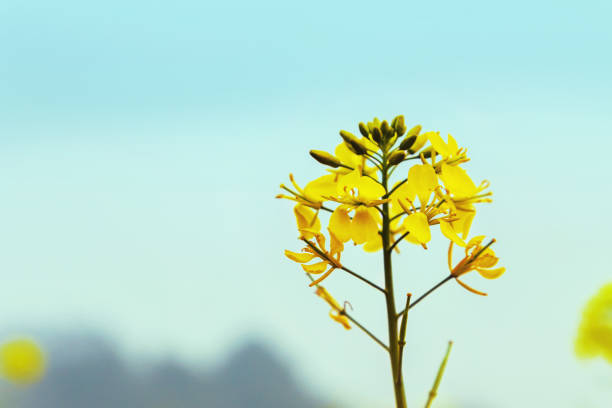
[300, 257]
[438, 144]
[324, 186]
[418, 226]
[363, 227]
[307, 220]
[340, 224]
[491, 273]
[369, 189]
[457, 181]
[422, 180]
[315, 268]
[449, 232]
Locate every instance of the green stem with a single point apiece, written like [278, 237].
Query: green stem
[398, 382]
[434, 389]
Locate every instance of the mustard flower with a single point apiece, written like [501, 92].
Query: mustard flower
[312, 194]
[21, 361]
[316, 249]
[359, 193]
[477, 258]
[337, 313]
[595, 331]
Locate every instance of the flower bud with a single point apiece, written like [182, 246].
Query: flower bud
[399, 125]
[353, 143]
[377, 135]
[363, 129]
[414, 131]
[396, 157]
[387, 131]
[407, 142]
[325, 158]
[418, 143]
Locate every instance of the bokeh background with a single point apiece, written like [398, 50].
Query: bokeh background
[142, 144]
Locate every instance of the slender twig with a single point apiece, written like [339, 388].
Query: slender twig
[395, 188]
[402, 334]
[373, 158]
[344, 268]
[398, 240]
[436, 384]
[355, 322]
[423, 296]
[366, 331]
[363, 279]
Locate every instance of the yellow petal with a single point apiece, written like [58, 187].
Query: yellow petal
[348, 182]
[363, 226]
[325, 295]
[369, 189]
[340, 224]
[335, 245]
[318, 188]
[300, 257]
[491, 273]
[457, 181]
[452, 144]
[340, 319]
[374, 245]
[418, 226]
[315, 268]
[422, 180]
[438, 144]
[307, 220]
[449, 232]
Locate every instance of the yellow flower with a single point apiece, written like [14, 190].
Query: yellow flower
[308, 223]
[595, 331]
[328, 259]
[359, 193]
[21, 361]
[450, 151]
[337, 313]
[422, 181]
[312, 194]
[477, 258]
[351, 161]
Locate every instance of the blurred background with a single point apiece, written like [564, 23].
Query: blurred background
[142, 144]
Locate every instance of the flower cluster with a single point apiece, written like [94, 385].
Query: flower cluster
[358, 192]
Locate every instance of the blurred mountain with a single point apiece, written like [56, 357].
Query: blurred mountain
[87, 371]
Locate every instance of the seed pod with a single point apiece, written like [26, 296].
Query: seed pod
[396, 157]
[353, 143]
[363, 129]
[325, 158]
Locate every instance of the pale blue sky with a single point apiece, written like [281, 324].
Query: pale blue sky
[141, 145]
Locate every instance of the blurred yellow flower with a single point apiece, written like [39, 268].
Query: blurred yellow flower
[21, 361]
[337, 313]
[595, 331]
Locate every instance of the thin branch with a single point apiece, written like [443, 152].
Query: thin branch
[395, 188]
[355, 322]
[398, 240]
[344, 268]
[363, 279]
[366, 331]
[423, 296]
[436, 384]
